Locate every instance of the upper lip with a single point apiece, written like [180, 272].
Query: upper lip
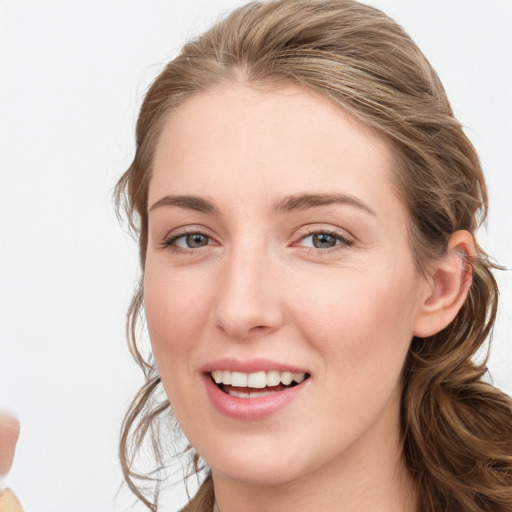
[249, 366]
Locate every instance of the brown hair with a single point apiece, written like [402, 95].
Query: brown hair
[457, 429]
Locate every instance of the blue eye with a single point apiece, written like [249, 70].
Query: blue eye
[189, 241]
[324, 240]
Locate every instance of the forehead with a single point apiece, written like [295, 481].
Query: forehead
[280, 140]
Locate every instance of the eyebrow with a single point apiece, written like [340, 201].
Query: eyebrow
[287, 204]
[306, 201]
[188, 202]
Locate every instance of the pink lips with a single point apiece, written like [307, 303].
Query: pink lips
[250, 409]
[254, 365]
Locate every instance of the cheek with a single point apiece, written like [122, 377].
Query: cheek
[361, 328]
[361, 321]
[175, 312]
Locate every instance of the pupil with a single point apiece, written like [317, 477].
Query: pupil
[323, 240]
[196, 240]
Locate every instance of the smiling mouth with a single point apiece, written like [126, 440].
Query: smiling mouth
[257, 384]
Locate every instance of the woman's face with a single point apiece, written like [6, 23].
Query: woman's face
[278, 251]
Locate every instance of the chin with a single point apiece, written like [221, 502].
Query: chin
[264, 459]
[268, 473]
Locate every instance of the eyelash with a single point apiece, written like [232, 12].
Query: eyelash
[344, 241]
[169, 242]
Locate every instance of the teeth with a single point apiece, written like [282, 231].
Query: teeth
[238, 379]
[273, 378]
[286, 378]
[299, 377]
[257, 380]
[252, 394]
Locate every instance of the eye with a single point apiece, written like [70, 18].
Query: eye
[321, 240]
[324, 240]
[188, 241]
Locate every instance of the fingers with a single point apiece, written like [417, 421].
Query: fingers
[9, 433]
[9, 502]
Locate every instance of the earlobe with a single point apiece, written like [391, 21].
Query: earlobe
[448, 288]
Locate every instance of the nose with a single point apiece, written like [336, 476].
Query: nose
[248, 300]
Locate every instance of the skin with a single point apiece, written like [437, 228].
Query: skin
[259, 288]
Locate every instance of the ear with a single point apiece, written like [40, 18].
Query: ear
[449, 283]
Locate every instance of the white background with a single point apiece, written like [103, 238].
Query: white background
[72, 76]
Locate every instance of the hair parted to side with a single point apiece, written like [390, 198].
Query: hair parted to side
[457, 429]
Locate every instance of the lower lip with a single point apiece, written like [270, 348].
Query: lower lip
[250, 409]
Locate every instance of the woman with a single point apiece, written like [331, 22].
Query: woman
[306, 206]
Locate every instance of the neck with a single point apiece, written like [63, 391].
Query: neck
[350, 492]
[346, 496]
